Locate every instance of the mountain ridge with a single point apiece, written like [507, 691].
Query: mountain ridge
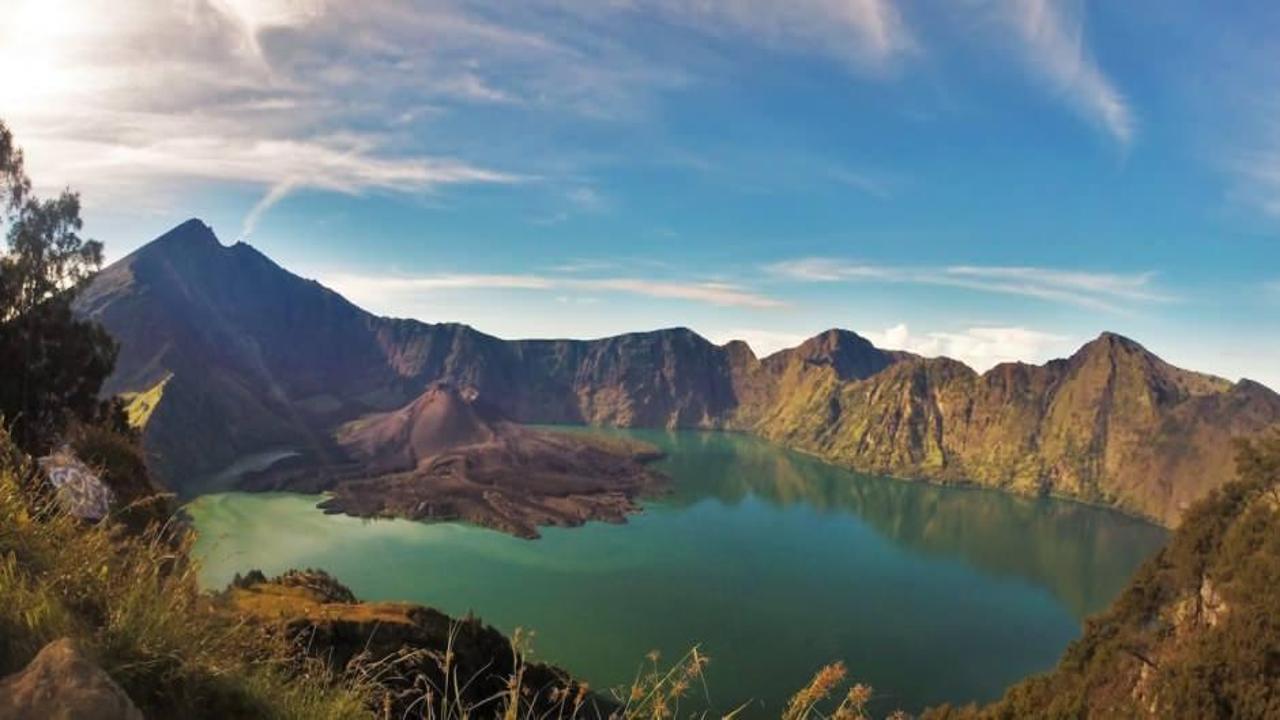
[260, 358]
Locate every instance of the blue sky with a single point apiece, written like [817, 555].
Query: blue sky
[987, 179]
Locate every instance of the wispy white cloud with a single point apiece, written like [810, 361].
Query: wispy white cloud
[1255, 159]
[714, 293]
[345, 97]
[864, 33]
[873, 185]
[217, 91]
[978, 347]
[1095, 290]
[1272, 289]
[584, 265]
[819, 269]
[268, 201]
[364, 287]
[345, 164]
[364, 284]
[1064, 285]
[586, 198]
[1052, 35]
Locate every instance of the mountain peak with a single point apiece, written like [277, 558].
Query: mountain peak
[836, 339]
[191, 232]
[1113, 353]
[1109, 343]
[848, 353]
[442, 417]
[192, 238]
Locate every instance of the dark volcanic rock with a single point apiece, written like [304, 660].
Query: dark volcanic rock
[448, 455]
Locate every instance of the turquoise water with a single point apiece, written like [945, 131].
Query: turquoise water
[773, 562]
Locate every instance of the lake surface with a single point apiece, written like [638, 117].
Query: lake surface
[773, 562]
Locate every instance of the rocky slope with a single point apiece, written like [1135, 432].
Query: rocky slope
[1195, 635]
[1112, 424]
[236, 356]
[449, 455]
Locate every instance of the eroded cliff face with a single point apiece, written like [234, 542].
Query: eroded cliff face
[240, 356]
[1112, 424]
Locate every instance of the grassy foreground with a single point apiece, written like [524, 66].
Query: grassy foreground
[132, 602]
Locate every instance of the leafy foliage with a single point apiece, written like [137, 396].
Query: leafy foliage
[51, 364]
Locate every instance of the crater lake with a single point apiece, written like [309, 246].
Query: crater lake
[772, 562]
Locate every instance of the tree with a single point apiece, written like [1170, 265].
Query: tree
[52, 365]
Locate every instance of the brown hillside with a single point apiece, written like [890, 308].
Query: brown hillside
[447, 455]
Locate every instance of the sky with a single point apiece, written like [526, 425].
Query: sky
[991, 180]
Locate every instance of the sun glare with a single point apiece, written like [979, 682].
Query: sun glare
[35, 47]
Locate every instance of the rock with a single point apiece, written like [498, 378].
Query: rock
[62, 684]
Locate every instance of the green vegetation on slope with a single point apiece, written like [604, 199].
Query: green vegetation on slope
[132, 602]
[1197, 632]
[138, 406]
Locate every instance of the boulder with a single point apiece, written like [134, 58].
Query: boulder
[62, 684]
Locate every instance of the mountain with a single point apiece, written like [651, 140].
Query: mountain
[1112, 424]
[438, 421]
[234, 356]
[238, 356]
[451, 455]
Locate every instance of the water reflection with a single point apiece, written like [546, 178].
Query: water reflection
[1082, 554]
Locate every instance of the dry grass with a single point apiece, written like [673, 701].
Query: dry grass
[807, 704]
[133, 603]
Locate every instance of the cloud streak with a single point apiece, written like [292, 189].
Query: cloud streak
[365, 287]
[1053, 39]
[862, 33]
[1111, 292]
[268, 201]
[1257, 167]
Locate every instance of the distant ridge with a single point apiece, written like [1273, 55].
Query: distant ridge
[261, 359]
